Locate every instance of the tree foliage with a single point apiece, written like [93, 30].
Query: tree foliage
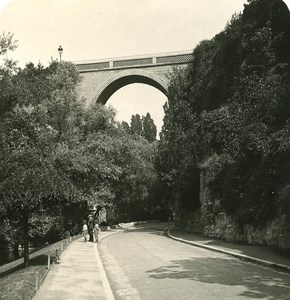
[143, 126]
[149, 128]
[228, 114]
[37, 135]
[56, 155]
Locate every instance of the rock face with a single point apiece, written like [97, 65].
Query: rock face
[215, 223]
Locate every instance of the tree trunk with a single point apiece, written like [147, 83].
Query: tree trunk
[16, 250]
[25, 237]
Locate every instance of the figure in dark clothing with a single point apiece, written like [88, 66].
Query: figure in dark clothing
[91, 225]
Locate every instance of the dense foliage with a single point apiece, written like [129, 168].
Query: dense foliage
[143, 126]
[228, 114]
[57, 156]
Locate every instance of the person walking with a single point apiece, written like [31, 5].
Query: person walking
[85, 230]
[96, 232]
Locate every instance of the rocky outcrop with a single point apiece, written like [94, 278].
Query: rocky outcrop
[214, 222]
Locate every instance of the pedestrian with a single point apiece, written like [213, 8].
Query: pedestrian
[96, 232]
[91, 226]
[85, 230]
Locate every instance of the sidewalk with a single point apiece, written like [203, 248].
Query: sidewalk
[79, 274]
[258, 254]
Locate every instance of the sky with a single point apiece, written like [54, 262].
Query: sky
[96, 29]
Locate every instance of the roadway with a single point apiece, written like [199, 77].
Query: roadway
[142, 263]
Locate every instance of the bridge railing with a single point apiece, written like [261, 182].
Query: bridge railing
[133, 62]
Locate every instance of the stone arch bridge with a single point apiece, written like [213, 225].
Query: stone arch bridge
[102, 78]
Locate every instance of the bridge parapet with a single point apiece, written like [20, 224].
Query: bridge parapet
[135, 62]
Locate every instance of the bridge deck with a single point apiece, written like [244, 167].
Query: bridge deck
[133, 62]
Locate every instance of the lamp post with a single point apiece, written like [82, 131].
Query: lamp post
[60, 50]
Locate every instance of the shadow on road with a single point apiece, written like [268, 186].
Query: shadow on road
[259, 282]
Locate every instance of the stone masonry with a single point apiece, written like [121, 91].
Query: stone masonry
[101, 78]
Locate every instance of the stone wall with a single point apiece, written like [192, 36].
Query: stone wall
[94, 82]
[215, 223]
[274, 233]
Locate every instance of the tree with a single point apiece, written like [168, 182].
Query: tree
[142, 126]
[136, 125]
[149, 128]
[7, 43]
[125, 126]
[121, 171]
[137, 177]
[7, 69]
[38, 143]
[179, 149]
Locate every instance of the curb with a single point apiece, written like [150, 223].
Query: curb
[237, 255]
[103, 276]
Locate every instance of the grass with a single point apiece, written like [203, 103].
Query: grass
[19, 283]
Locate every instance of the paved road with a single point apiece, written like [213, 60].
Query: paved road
[144, 264]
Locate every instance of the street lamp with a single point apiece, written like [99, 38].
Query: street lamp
[60, 50]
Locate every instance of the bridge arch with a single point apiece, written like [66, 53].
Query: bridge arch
[123, 78]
